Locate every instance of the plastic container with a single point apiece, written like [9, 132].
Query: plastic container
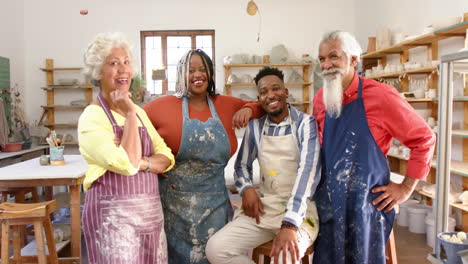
[402, 218]
[26, 144]
[447, 251]
[12, 147]
[416, 217]
[430, 229]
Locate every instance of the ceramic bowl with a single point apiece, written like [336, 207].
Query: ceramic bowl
[12, 147]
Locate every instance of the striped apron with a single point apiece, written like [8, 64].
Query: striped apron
[123, 219]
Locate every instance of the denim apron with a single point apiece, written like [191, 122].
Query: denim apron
[122, 216]
[194, 194]
[351, 228]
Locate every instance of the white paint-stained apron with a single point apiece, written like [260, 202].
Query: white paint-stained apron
[278, 158]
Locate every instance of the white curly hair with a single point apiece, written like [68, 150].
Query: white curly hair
[99, 49]
[349, 44]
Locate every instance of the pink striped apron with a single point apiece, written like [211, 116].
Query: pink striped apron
[123, 220]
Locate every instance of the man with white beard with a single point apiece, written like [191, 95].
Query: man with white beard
[357, 119]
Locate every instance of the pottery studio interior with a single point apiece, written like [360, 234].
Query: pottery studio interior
[112, 113]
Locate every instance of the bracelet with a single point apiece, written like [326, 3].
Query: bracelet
[149, 164]
[286, 224]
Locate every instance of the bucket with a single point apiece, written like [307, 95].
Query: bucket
[430, 229]
[463, 255]
[416, 216]
[447, 251]
[402, 218]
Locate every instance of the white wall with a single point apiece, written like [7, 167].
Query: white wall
[409, 17]
[12, 39]
[55, 29]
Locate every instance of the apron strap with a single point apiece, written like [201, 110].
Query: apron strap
[360, 88]
[106, 108]
[185, 112]
[291, 123]
[109, 114]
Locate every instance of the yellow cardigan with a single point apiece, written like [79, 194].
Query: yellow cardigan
[96, 142]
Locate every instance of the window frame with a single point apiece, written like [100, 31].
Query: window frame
[172, 33]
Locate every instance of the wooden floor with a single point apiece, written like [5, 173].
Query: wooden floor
[411, 248]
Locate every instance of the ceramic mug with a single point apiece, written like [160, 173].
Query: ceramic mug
[56, 155]
[44, 160]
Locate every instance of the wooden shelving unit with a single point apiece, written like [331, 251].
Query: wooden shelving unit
[456, 30]
[51, 90]
[456, 205]
[398, 163]
[424, 70]
[306, 67]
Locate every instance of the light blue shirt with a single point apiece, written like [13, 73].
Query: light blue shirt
[308, 172]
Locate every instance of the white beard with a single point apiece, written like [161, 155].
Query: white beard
[333, 91]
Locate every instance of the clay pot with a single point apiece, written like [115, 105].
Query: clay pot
[371, 44]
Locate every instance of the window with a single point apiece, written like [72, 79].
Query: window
[163, 49]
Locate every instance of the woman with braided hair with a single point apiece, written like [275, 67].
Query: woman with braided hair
[198, 125]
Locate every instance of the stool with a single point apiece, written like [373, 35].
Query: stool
[19, 194]
[390, 250]
[38, 214]
[265, 249]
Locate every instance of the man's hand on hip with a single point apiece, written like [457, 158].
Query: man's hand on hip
[394, 194]
[251, 204]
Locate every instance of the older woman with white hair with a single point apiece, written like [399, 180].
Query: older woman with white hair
[200, 131]
[122, 218]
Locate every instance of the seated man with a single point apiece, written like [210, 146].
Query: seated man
[286, 145]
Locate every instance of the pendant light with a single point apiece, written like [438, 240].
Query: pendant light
[252, 8]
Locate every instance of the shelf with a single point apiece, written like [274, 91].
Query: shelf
[456, 205]
[270, 65]
[63, 143]
[61, 69]
[455, 99]
[456, 167]
[459, 28]
[64, 106]
[62, 125]
[397, 157]
[298, 103]
[253, 84]
[459, 133]
[425, 70]
[436, 99]
[420, 100]
[454, 30]
[396, 49]
[65, 87]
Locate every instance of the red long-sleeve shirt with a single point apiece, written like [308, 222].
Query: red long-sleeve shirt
[388, 116]
[166, 115]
